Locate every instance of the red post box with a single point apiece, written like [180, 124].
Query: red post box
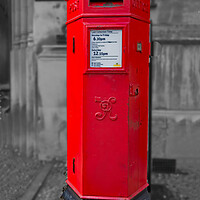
[107, 97]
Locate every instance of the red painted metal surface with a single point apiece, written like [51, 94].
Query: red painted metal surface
[107, 108]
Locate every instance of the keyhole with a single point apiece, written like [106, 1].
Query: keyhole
[136, 91]
[73, 44]
[74, 165]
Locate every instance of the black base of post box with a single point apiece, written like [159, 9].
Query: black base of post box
[69, 194]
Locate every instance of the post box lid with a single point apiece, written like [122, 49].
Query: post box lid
[139, 9]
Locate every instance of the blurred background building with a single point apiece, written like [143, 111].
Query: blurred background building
[33, 78]
[176, 81]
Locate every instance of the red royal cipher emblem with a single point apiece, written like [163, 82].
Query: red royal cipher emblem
[106, 108]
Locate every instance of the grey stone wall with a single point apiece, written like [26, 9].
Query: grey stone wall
[176, 75]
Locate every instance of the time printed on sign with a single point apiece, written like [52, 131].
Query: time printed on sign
[97, 52]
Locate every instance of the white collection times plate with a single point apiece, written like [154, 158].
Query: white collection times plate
[106, 48]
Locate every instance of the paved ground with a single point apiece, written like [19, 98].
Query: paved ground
[52, 187]
[184, 185]
[160, 192]
[16, 174]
